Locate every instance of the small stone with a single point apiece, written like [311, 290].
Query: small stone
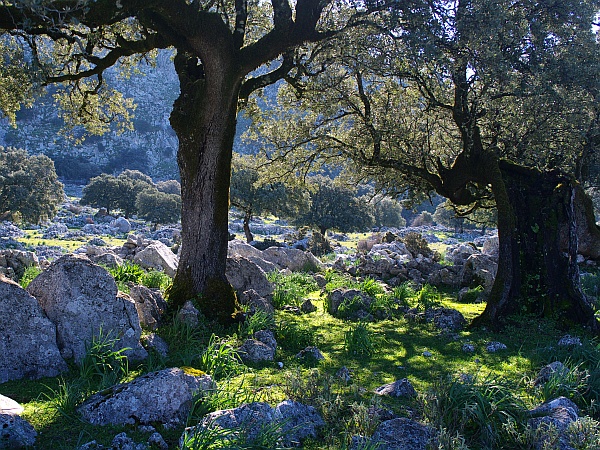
[9, 406]
[343, 374]
[157, 441]
[495, 346]
[427, 354]
[468, 348]
[307, 306]
[310, 352]
[399, 388]
[569, 341]
[280, 364]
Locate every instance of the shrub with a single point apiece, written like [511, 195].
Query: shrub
[260, 320]
[423, 219]
[371, 287]
[417, 245]
[403, 293]
[103, 365]
[291, 289]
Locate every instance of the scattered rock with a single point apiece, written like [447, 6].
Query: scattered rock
[291, 258]
[254, 351]
[188, 314]
[307, 306]
[81, 299]
[468, 348]
[558, 413]
[292, 310]
[267, 337]
[157, 441]
[320, 279]
[297, 421]
[9, 406]
[398, 434]
[244, 275]
[399, 388]
[16, 432]
[343, 374]
[427, 354]
[13, 262]
[495, 346]
[149, 304]
[123, 442]
[163, 397]
[446, 319]
[154, 342]
[121, 224]
[159, 257]
[255, 302]
[569, 341]
[28, 345]
[479, 270]
[547, 371]
[310, 352]
[239, 248]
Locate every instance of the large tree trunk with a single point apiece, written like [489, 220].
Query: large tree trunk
[535, 275]
[204, 118]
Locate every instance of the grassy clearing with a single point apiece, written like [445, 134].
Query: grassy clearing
[499, 385]
[34, 238]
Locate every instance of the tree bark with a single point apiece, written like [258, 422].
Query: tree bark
[536, 275]
[204, 119]
[247, 232]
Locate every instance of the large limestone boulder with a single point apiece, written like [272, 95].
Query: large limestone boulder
[163, 397]
[244, 275]
[9, 406]
[239, 248]
[157, 256]
[81, 299]
[14, 262]
[291, 258]
[400, 434]
[28, 345]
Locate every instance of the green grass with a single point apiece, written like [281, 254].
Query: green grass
[375, 353]
[34, 238]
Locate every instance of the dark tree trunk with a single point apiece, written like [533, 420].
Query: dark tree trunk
[204, 118]
[535, 274]
[247, 232]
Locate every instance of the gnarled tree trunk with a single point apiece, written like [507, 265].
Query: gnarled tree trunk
[535, 274]
[204, 119]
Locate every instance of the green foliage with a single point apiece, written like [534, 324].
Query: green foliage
[472, 295]
[158, 207]
[291, 289]
[68, 395]
[428, 297]
[569, 382]
[359, 341]
[477, 410]
[294, 336]
[403, 293]
[30, 273]
[371, 287]
[349, 307]
[318, 244]
[423, 219]
[127, 272]
[156, 279]
[29, 188]
[335, 206]
[169, 187]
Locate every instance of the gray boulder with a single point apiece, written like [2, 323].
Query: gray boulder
[159, 257]
[559, 414]
[14, 262]
[398, 434]
[163, 397]
[244, 275]
[150, 305]
[548, 370]
[256, 302]
[458, 254]
[339, 296]
[254, 351]
[81, 299]
[152, 341]
[479, 270]
[446, 319]
[27, 338]
[491, 246]
[311, 353]
[123, 442]
[121, 224]
[188, 314]
[297, 421]
[291, 258]
[240, 248]
[399, 388]
[16, 432]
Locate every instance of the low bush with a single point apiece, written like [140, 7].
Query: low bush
[294, 336]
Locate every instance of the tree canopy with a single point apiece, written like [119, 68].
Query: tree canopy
[29, 188]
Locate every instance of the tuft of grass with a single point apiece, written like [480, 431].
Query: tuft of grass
[428, 297]
[291, 289]
[220, 359]
[260, 320]
[155, 279]
[294, 336]
[103, 366]
[359, 341]
[127, 272]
